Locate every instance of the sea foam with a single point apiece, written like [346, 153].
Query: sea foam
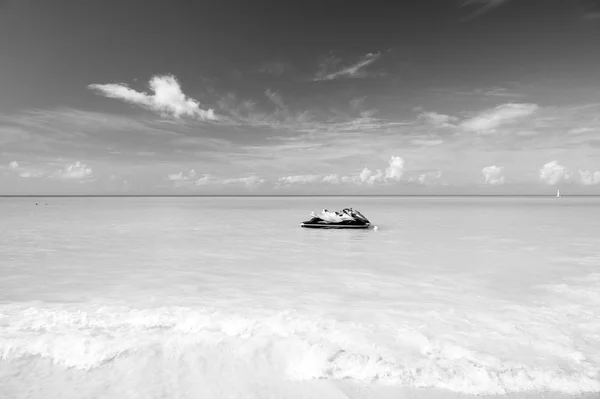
[284, 345]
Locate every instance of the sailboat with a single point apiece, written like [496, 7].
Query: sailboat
[557, 193]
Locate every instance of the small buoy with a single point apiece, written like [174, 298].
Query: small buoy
[375, 228]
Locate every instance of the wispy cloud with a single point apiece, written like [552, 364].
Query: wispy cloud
[592, 15]
[496, 91]
[483, 6]
[167, 100]
[191, 179]
[299, 179]
[249, 181]
[580, 130]
[247, 113]
[493, 175]
[331, 69]
[490, 119]
[588, 178]
[552, 173]
[427, 142]
[276, 68]
[437, 119]
[589, 9]
[276, 98]
[205, 179]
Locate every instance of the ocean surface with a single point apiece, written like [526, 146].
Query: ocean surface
[230, 298]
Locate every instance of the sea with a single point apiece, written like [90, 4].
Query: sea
[228, 297]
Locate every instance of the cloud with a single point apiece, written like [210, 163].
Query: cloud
[501, 92]
[426, 178]
[552, 173]
[366, 176]
[205, 179]
[249, 181]
[74, 171]
[580, 130]
[492, 92]
[490, 119]
[395, 170]
[436, 119]
[588, 178]
[594, 15]
[299, 179]
[484, 6]
[190, 179]
[427, 142]
[181, 176]
[370, 177]
[331, 179]
[27, 174]
[321, 120]
[167, 100]
[16, 167]
[329, 69]
[275, 98]
[493, 175]
[273, 68]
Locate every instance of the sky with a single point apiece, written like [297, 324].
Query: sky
[431, 97]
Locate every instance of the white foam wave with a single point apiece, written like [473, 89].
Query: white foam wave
[287, 344]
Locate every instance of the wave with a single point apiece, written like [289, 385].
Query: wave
[284, 345]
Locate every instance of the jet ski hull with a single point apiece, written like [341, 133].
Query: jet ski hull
[329, 225]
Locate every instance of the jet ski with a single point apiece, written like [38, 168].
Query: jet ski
[347, 218]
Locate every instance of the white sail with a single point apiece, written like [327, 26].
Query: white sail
[557, 193]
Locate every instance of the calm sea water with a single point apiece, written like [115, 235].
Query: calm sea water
[230, 298]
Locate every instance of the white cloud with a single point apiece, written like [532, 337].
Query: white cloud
[370, 177]
[205, 179]
[249, 181]
[74, 171]
[26, 174]
[395, 169]
[440, 120]
[299, 179]
[168, 99]
[491, 119]
[427, 142]
[580, 130]
[427, 177]
[588, 178]
[493, 174]
[552, 173]
[16, 167]
[190, 178]
[353, 71]
[181, 176]
[332, 179]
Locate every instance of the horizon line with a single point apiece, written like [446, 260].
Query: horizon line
[280, 195]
